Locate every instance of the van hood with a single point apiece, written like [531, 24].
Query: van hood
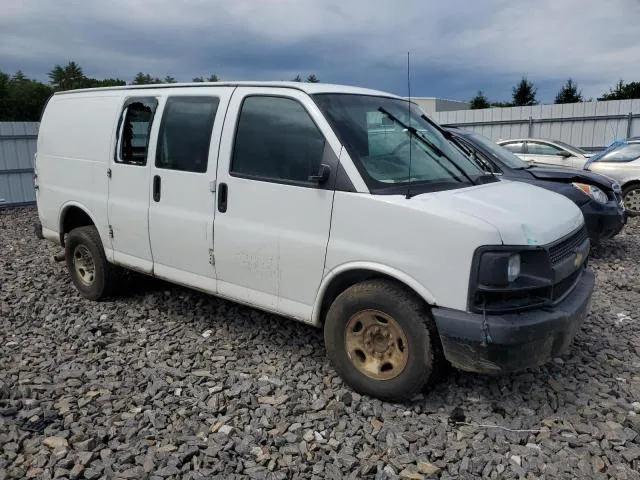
[522, 214]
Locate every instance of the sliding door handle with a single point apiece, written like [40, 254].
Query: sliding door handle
[222, 197]
[156, 188]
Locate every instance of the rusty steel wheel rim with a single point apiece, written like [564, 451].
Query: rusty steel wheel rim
[632, 200]
[84, 265]
[376, 345]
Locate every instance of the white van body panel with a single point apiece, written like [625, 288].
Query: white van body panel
[278, 246]
[418, 239]
[73, 145]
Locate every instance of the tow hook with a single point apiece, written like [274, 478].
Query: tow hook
[59, 257]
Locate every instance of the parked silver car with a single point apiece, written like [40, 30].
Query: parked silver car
[621, 162]
[546, 152]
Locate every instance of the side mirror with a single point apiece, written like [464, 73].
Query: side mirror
[565, 154]
[323, 174]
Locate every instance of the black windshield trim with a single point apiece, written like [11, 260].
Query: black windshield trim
[418, 187]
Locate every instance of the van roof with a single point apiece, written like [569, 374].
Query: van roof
[310, 88]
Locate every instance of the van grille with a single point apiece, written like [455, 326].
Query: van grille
[565, 248]
[563, 286]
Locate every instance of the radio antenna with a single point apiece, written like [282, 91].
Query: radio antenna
[409, 111]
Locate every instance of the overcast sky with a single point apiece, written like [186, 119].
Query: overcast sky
[457, 46]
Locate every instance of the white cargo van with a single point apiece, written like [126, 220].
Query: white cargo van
[340, 207]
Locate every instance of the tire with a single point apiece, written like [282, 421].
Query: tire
[83, 243]
[410, 369]
[635, 188]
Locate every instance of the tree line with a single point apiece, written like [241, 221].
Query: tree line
[23, 98]
[524, 94]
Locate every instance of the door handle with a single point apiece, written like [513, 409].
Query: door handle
[156, 188]
[222, 197]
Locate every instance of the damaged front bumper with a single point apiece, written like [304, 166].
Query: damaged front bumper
[515, 341]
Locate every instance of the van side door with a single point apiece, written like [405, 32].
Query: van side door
[182, 190]
[274, 201]
[128, 203]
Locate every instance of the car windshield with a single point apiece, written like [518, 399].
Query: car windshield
[371, 129]
[612, 146]
[571, 147]
[621, 153]
[498, 152]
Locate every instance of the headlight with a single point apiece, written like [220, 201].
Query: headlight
[506, 280]
[593, 192]
[513, 267]
[499, 268]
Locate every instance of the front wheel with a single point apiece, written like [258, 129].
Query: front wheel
[631, 199]
[93, 276]
[382, 341]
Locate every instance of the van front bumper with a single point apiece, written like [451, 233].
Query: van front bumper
[514, 341]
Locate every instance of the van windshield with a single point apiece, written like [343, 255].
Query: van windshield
[382, 149]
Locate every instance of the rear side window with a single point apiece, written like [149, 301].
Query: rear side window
[133, 132]
[185, 133]
[514, 147]
[535, 148]
[276, 140]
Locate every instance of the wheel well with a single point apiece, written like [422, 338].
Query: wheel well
[629, 184]
[349, 278]
[73, 217]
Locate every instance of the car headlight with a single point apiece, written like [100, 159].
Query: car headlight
[499, 268]
[592, 191]
[513, 267]
[506, 279]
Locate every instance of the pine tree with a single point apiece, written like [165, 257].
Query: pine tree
[569, 93]
[524, 93]
[479, 101]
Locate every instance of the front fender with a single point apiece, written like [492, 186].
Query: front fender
[398, 275]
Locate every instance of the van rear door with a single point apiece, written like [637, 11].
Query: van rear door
[182, 192]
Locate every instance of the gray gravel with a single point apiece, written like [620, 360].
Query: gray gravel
[164, 382]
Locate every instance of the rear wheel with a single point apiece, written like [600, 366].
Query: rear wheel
[631, 199]
[93, 276]
[382, 341]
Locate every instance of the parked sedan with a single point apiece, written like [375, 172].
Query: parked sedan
[621, 161]
[598, 196]
[546, 152]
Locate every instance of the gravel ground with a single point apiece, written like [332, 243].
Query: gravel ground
[164, 382]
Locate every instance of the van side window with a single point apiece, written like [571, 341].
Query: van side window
[185, 133]
[134, 128]
[276, 140]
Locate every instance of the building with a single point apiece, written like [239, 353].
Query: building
[432, 105]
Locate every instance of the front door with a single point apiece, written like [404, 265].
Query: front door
[128, 204]
[181, 204]
[273, 219]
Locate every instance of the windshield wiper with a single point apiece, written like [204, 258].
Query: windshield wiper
[430, 144]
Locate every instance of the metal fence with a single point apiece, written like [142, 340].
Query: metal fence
[589, 125]
[17, 149]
